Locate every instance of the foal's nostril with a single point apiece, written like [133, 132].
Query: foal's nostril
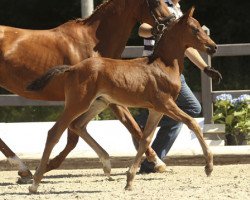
[215, 47]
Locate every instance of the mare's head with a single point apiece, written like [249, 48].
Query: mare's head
[153, 12]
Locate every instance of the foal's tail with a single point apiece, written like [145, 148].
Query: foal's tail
[43, 80]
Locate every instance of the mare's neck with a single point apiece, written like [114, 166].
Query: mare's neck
[111, 26]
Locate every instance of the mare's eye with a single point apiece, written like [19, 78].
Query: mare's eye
[195, 31]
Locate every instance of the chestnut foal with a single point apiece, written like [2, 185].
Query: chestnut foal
[27, 54]
[150, 82]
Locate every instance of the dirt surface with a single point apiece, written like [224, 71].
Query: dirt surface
[226, 182]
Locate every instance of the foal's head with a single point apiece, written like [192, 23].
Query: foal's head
[183, 33]
[194, 36]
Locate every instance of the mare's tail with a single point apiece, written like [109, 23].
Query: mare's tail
[43, 80]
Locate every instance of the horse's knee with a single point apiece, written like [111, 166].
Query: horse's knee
[52, 138]
[75, 126]
[193, 125]
[145, 142]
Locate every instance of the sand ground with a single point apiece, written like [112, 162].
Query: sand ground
[180, 182]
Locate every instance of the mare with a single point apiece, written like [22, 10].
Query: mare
[150, 82]
[27, 54]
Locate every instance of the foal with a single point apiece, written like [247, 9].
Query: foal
[150, 82]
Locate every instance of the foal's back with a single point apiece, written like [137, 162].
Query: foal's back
[136, 86]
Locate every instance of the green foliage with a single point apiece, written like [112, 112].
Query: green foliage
[234, 113]
[30, 113]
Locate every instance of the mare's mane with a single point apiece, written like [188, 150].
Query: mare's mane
[98, 10]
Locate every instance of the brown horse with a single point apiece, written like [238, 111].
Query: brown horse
[27, 54]
[150, 82]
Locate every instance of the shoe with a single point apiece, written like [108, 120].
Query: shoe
[147, 167]
[146, 171]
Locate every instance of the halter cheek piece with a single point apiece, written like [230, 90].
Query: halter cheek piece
[160, 25]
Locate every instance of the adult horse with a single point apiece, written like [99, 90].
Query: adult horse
[27, 54]
[150, 82]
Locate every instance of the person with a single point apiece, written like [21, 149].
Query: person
[169, 129]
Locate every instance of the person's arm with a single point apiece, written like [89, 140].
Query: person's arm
[196, 58]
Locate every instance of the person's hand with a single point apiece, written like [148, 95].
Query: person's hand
[213, 73]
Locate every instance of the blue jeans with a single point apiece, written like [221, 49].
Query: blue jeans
[169, 128]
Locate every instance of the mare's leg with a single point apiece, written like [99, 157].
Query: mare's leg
[153, 120]
[79, 126]
[72, 140]
[128, 121]
[172, 110]
[23, 170]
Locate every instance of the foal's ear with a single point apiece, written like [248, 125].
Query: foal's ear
[190, 12]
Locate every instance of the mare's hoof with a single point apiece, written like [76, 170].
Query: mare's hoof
[24, 180]
[25, 174]
[160, 168]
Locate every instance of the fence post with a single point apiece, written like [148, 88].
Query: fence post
[87, 7]
[206, 89]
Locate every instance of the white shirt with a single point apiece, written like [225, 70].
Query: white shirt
[174, 9]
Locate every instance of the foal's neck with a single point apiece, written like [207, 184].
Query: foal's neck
[171, 51]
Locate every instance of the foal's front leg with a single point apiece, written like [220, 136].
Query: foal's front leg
[79, 126]
[148, 133]
[172, 110]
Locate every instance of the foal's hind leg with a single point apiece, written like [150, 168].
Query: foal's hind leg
[71, 144]
[23, 171]
[53, 137]
[173, 111]
[80, 127]
[148, 132]
[123, 114]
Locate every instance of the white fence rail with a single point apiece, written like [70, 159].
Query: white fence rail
[207, 93]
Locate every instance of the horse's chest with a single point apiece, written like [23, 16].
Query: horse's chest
[167, 83]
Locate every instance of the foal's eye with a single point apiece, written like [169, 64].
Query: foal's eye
[195, 31]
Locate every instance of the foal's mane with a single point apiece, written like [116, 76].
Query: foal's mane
[98, 10]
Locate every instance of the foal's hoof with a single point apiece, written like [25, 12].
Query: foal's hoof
[111, 179]
[106, 167]
[209, 169]
[128, 188]
[32, 189]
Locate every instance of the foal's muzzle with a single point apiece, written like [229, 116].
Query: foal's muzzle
[211, 49]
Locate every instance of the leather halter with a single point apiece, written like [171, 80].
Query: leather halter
[160, 24]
